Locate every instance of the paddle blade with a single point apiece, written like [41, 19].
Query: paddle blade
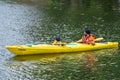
[99, 39]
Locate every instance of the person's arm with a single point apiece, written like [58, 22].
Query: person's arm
[79, 41]
[55, 42]
[91, 40]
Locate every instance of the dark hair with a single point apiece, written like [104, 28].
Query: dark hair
[57, 38]
[87, 30]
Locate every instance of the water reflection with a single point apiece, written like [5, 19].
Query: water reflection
[82, 65]
[89, 62]
[46, 57]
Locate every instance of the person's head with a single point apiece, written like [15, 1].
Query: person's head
[57, 38]
[87, 31]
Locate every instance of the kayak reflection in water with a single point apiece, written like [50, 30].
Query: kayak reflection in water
[89, 61]
[87, 38]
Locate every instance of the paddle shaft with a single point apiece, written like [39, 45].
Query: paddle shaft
[97, 39]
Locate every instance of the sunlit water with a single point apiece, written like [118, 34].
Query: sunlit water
[34, 21]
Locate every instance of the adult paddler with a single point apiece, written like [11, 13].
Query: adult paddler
[88, 38]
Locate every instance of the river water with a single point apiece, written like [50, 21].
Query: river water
[36, 21]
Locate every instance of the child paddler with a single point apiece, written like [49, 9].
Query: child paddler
[57, 41]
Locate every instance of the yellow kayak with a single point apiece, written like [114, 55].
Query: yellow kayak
[49, 49]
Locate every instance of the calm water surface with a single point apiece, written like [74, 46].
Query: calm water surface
[35, 21]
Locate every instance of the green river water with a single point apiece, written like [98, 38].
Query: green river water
[36, 21]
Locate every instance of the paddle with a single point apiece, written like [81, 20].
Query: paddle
[63, 43]
[97, 39]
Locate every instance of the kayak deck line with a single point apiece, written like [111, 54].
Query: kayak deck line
[50, 49]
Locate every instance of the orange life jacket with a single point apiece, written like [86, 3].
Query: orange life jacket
[88, 38]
